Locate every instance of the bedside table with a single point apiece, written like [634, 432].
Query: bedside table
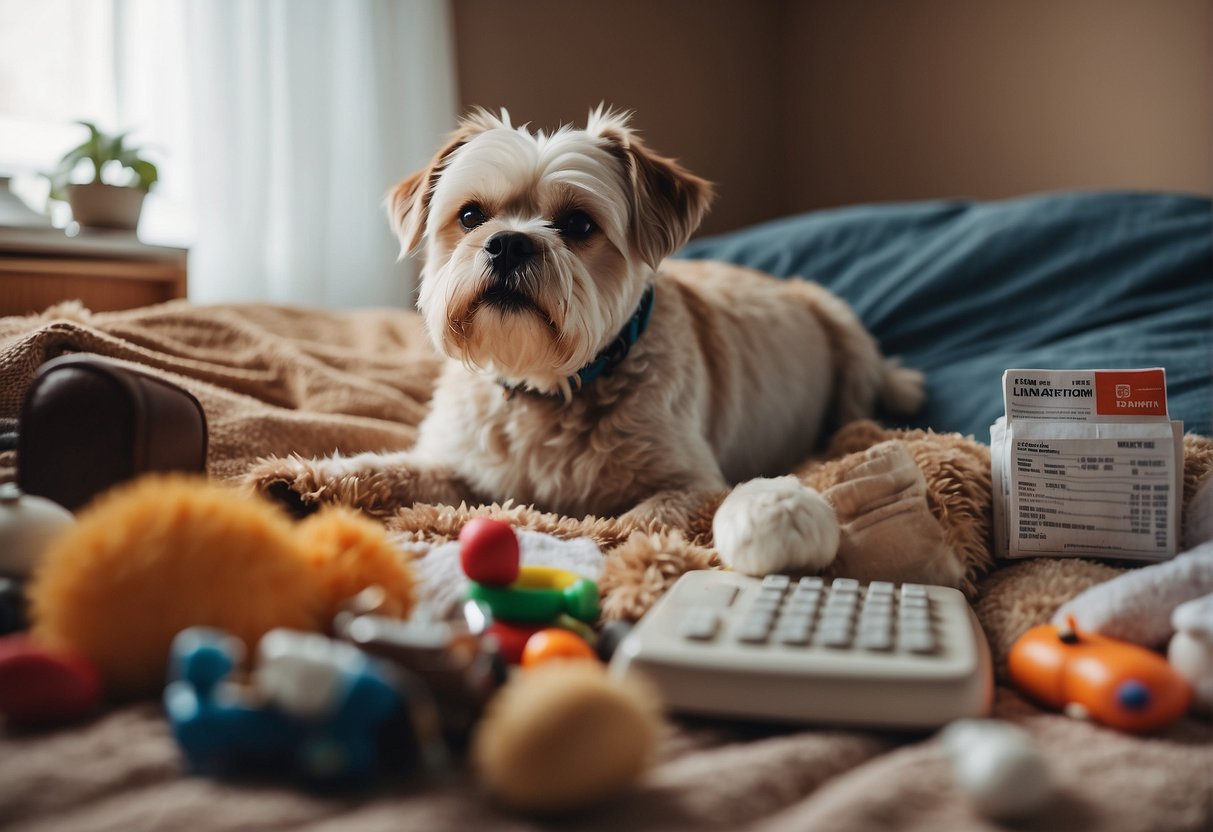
[106, 271]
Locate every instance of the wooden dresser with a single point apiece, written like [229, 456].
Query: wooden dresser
[104, 270]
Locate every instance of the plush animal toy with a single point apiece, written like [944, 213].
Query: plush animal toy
[167, 552]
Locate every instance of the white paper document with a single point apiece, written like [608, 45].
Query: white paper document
[1086, 462]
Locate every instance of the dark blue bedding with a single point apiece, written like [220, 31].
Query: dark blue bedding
[963, 290]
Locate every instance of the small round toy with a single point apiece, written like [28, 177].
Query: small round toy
[1113, 682]
[563, 736]
[43, 686]
[553, 644]
[28, 523]
[998, 768]
[488, 551]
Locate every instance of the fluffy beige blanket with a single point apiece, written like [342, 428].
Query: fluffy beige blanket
[278, 381]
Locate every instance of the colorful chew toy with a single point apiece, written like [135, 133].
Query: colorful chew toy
[541, 593]
[525, 600]
[1112, 682]
[316, 707]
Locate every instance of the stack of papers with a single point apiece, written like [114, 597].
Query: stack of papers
[1086, 462]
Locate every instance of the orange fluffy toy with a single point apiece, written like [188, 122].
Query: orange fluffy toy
[149, 559]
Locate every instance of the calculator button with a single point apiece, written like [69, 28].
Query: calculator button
[836, 618]
[909, 618]
[883, 622]
[806, 598]
[699, 624]
[807, 606]
[759, 614]
[875, 640]
[808, 584]
[915, 626]
[914, 602]
[918, 642]
[796, 635]
[776, 582]
[834, 638]
[795, 620]
[753, 632]
[880, 589]
[758, 619]
[844, 585]
[763, 607]
[913, 591]
[869, 629]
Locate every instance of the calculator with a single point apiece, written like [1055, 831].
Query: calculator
[902, 656]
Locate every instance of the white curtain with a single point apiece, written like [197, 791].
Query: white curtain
[284, 123]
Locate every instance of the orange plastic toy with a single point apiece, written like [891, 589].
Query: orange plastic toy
[1113, 682]
[555, 643]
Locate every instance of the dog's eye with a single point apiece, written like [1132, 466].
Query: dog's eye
[576, 225]
[471, 216]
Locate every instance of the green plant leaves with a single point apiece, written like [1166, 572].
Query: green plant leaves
[100, 149]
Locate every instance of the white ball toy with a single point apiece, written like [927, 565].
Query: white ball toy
[27, 524]
[997, 766]
[769, 525]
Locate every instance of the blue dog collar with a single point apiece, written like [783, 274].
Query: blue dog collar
[611, 356]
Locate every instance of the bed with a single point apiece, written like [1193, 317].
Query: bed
[961, 290]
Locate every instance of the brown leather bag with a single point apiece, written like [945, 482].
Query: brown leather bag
[88, 423]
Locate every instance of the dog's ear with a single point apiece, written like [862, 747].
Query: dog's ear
[408, 203]
[668, 201]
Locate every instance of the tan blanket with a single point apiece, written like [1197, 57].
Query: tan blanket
[278, 381]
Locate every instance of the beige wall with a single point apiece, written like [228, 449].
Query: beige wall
[790, 105]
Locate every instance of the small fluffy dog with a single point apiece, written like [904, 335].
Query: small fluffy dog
[590, 375]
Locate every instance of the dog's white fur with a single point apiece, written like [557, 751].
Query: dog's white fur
[736, 377]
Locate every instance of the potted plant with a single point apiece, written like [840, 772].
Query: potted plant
[104, 179]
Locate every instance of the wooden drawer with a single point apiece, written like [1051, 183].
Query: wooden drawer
[105, 273]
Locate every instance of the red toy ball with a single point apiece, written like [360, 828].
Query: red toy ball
[488, 552]
[45, 686]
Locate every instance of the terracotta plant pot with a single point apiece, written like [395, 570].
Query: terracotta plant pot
[97, 205]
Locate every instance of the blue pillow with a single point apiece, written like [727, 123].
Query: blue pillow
[964, 290]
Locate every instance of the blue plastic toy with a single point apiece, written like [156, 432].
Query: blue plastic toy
[315, 707]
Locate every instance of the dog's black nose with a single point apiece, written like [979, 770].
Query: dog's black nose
[507, 250]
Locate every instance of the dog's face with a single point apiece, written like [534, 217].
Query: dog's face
[538, 247]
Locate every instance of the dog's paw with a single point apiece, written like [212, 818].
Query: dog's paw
[291, 482]
[770, 525]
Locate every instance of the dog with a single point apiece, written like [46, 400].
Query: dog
[588, 374]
